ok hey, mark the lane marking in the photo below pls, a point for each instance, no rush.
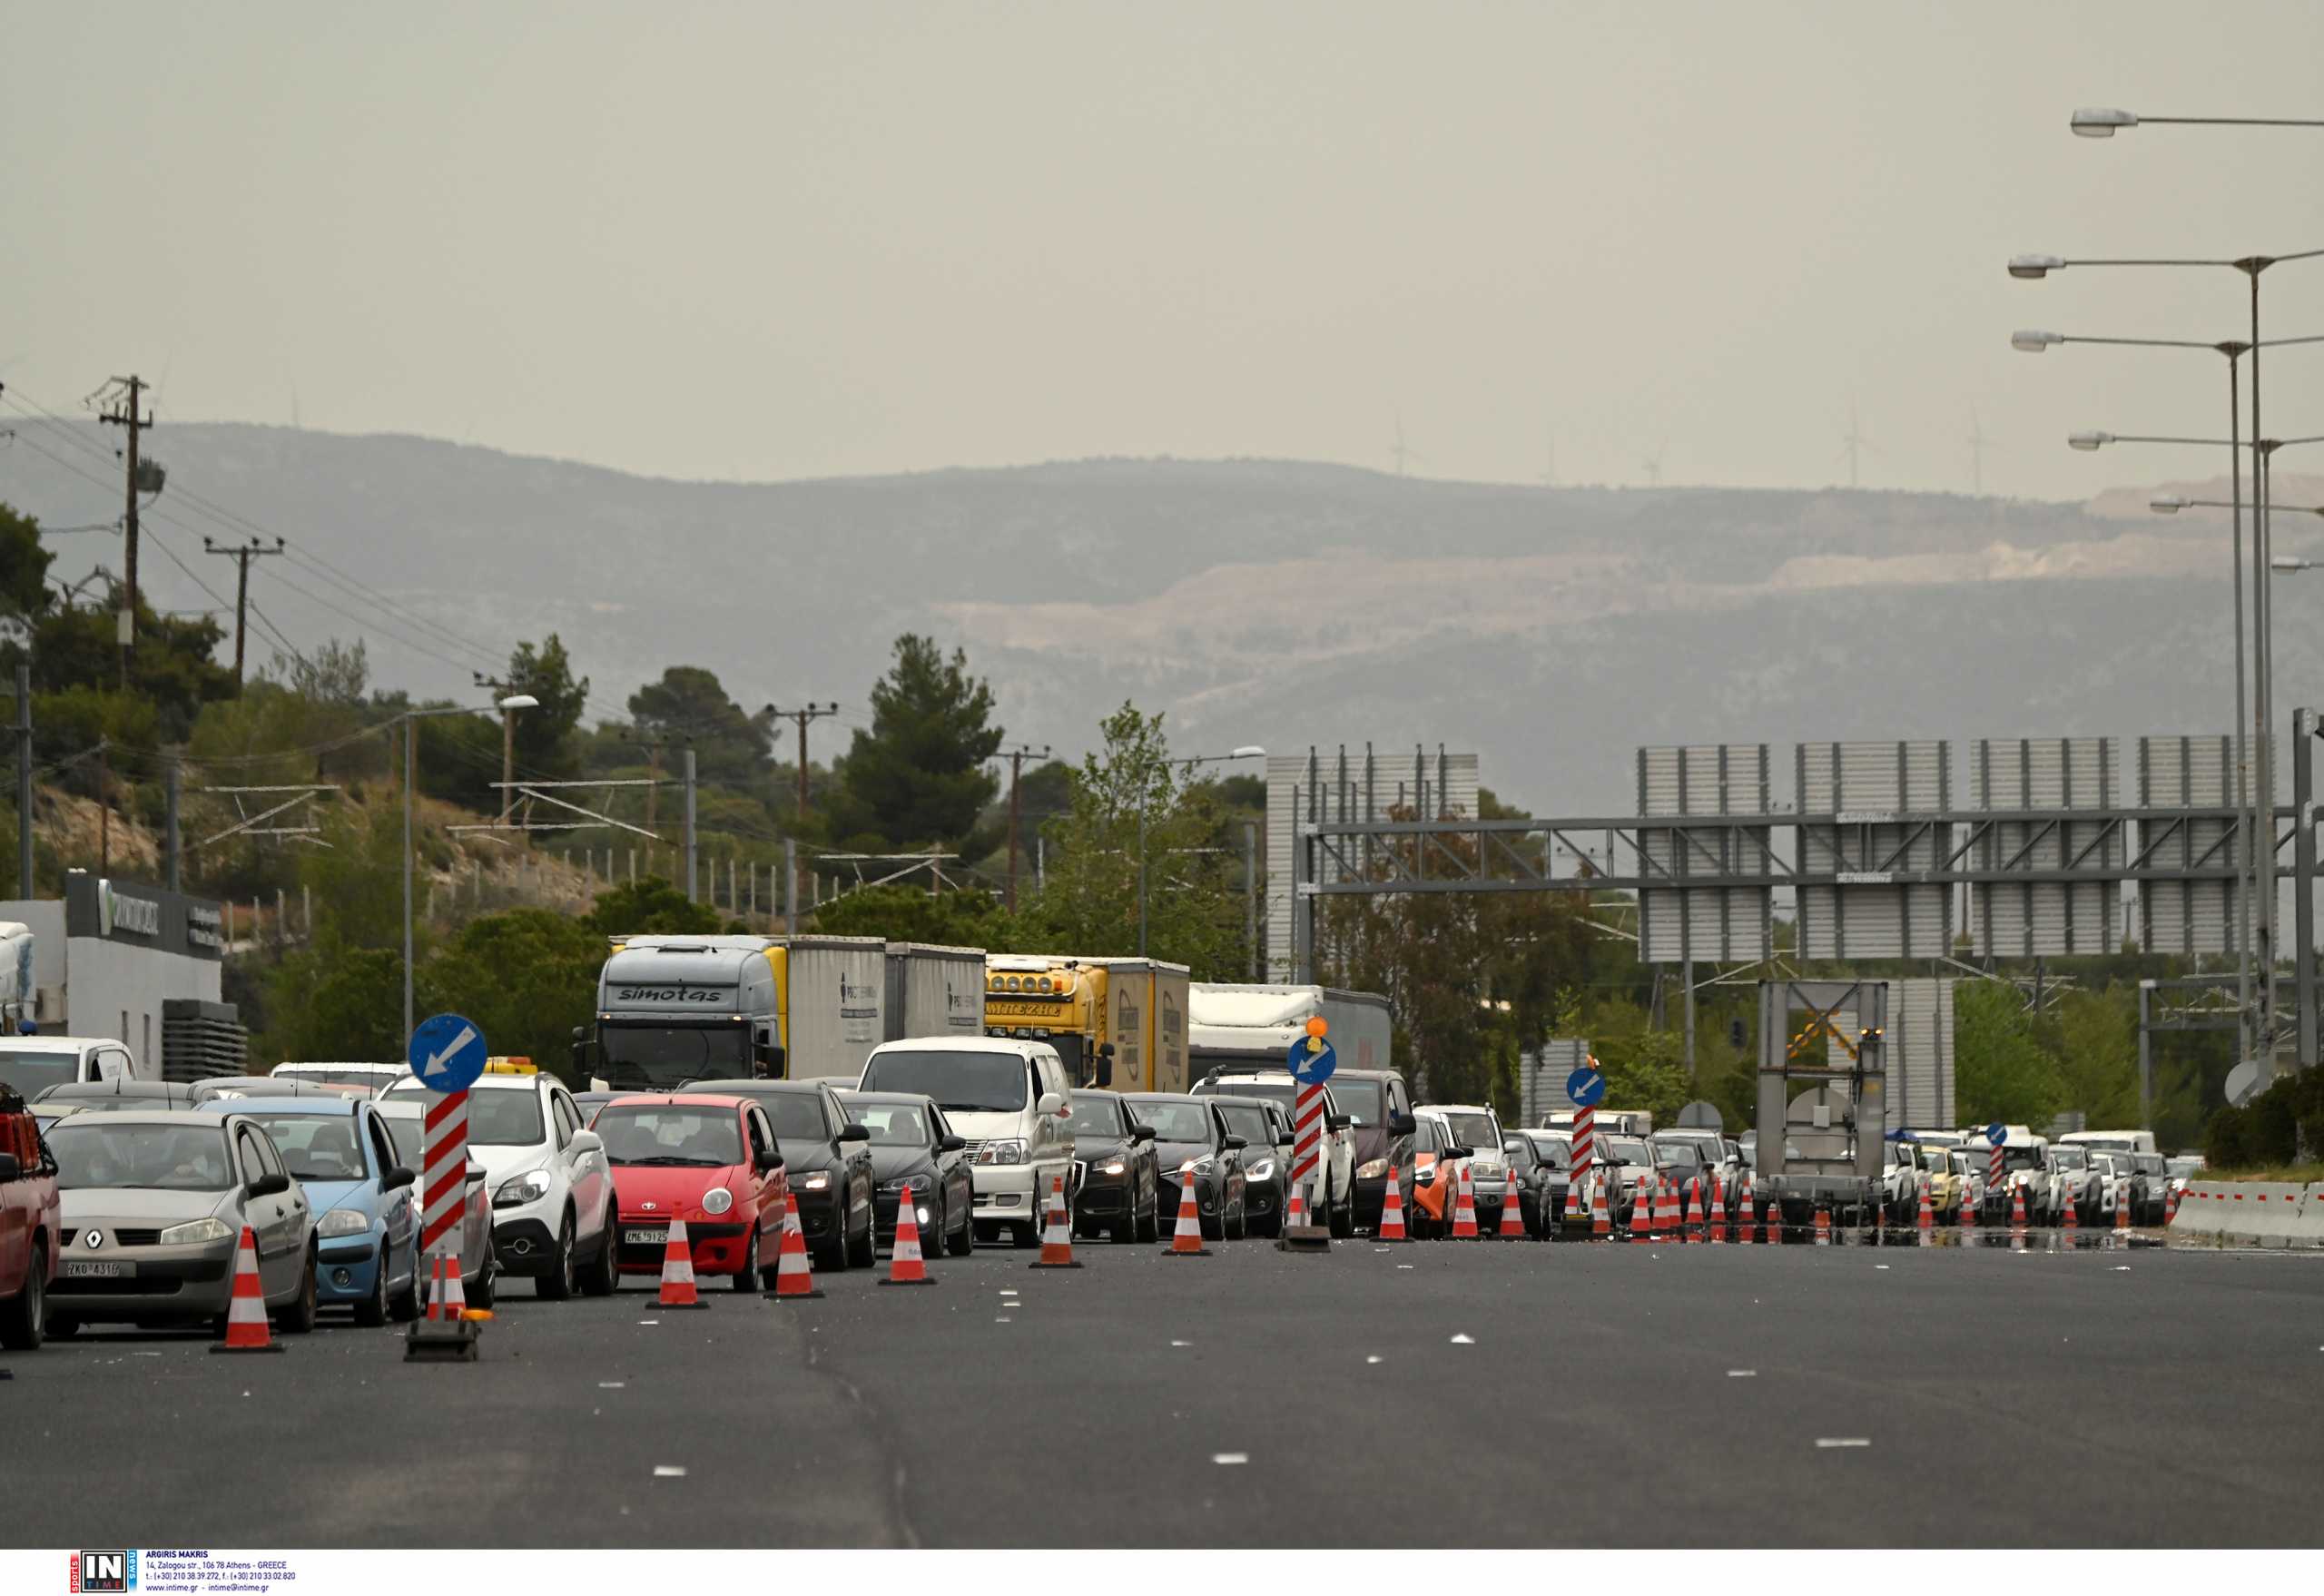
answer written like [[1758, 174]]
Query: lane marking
[[1376, 1359], [1004, 1319], [1182, 1343], [1742, 1374], [649, 1321], [609, 1384], [1827, 1443], [1465, 1340], [1229, 1459], [669, 1470]]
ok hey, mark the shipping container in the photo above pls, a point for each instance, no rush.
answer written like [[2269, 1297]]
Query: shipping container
[[835, 1000], [934, 991], [1145, 1019]]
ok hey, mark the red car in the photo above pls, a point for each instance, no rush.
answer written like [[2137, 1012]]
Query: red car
[[30, 1236], [709, 1160]]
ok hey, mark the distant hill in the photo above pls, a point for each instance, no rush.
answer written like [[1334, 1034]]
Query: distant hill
[[1258, 601]]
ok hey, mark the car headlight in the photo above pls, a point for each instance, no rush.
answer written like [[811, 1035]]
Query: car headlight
[[517, 1190], [717, 1201], [1113, 1166], [1006, 1149], [1262, 1171], [211, 1230], [1207, 1166], [344, 1222], [910, 1183], [819, 1181], [1373, 1170]]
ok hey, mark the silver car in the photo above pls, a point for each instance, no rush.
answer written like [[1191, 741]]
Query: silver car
[[480, 1268], [153, 1205]]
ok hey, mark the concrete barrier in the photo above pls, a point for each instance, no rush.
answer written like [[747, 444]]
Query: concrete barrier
[[2252, 1213], [2202, 1212], [2310, 1230]]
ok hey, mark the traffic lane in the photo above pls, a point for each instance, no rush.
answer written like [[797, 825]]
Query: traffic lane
[[551, 1439], [1606, 1396]]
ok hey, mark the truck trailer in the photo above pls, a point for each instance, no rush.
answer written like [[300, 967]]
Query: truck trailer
[[1117, 1023]]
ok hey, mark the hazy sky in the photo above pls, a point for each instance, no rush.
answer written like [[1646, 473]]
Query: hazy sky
[[762, 240]]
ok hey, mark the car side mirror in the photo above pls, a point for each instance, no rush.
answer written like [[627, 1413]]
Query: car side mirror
[[767, 1162], [1235, 1144], [1457, 1153], [1050, 1104], [952, 1144], [855, 1133], [1401, 1125], [1106, 1064], [1141, 1133], [587, 1141], [1338, 1122], [397, 1178], [11, 1167], [270, 1185]]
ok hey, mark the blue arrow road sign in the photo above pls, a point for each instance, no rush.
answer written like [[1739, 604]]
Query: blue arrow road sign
[[446, 1053], [1585, 1086], [1313, 1069], [1997, 1134]]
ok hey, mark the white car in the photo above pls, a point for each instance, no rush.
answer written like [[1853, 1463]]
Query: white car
[[378, 1077], [1479, 1130], [552, 1189], [1336, 1158], [1012, 1103]]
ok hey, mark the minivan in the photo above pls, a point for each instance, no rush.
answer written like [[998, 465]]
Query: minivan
[[1010, 1101]]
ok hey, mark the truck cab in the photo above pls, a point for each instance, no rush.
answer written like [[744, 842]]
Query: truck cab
[[32, 1064], [672, 1010]]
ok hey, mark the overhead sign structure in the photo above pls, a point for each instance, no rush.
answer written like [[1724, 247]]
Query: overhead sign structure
[[1587, 1087]]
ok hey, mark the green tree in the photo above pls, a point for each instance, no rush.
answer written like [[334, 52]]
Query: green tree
[[171, 669], [526, 978], [688, 705], [1644, 1067], [919, 774], [331, 1001], [649, 907], [2000, 1069], [2098, 1053], [912, 914], [25, 596], [544, 736], [1128, 809]]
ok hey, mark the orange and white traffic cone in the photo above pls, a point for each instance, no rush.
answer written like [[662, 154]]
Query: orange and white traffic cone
[[1692, 1221], [677, 1271], [246, 1328], [1965, 1212], [794, 1279], [2171, 1206], [456, 1296], [1057, 1235], [2073, 1218], [905, 1266], [1928, 1213], [2017, 1207], [1392, 1211], [2122, 1208], [1294, 1213], [434, 1287], [1513, 1209], [1771, 1224], [1823, 1226], [1465, 1209], [1667, 1210], [1601, 1223], [1642, 1215], [1186, 1241], [1718, 1209], [1745, 1212]]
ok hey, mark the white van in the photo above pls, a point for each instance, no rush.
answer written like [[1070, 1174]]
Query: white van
[[2110, 1141], [1011, 1099], [32, 1064]]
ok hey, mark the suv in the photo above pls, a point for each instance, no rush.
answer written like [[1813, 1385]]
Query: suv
[[32, 1064], [1479, 1130], [1380, 1112], [1336, 1160], [552, 1190], [1010, 1100], [28, 1224]]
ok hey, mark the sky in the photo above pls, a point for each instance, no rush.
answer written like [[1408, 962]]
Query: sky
[[1597, 242]]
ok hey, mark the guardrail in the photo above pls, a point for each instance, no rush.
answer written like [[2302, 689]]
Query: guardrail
[[2255, 1213]]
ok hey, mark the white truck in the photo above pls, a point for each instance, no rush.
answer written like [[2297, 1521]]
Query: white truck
[[32, 1064]]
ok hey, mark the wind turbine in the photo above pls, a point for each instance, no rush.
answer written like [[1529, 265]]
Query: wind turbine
[[1978, 444], [1401, 453], [1851, 442], [1652, 464]]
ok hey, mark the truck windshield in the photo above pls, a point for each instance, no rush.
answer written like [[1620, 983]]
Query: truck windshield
[[664, 1056], [106, 1153], [960, 1082], [33, 1073]]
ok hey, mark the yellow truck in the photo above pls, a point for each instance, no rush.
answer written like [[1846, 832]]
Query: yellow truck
[[1117, 1023]]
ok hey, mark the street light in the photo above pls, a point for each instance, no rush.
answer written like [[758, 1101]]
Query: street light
[[1248, 750], [506, 706], [2101, 121]]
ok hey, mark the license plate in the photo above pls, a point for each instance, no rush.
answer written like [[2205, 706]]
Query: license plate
[[94, 1269], [646, 1237]]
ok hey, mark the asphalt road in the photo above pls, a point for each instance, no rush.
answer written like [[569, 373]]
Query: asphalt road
[[1605, 1394]]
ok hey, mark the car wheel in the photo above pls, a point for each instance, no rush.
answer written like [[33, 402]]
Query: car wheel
[[1343, 1218], [372, 1311], [299, 1318], [746, 1279], [1149, 1228], [602, 1275], [960, 1242], [488, 1281], [558, 1284], [404, 1306], [21, 1319], [865, 1256], [831, 1254]]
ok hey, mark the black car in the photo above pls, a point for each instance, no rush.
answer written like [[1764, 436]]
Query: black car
[[1266, 1132], [1379, 1108], [1189, 1130], [1542, 1164], [828, 1161], [1119, 1188], [912, 1148], [112, 1097]]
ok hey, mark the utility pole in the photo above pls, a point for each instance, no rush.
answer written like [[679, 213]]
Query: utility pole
[[1251, 893], [654, 770], [24, 781], [812, 712], [241, 557], [690, 835], [790, 886], [172, 872], [104, 806], [127, 414], [1017, 757]]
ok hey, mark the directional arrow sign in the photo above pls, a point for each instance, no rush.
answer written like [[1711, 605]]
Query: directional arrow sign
[[1586, 1087], [446, 1053], [1313, 1069]]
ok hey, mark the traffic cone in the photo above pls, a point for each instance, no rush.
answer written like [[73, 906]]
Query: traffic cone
[[246, 1328], [2122, 1208], [1057, 1235], [1392, 1211], [434, 1287], [2073, 1218], [1601, 1223], [1823, 1226], [1186, 1241], [1513, 1209], [1718, 1209], [794, 1280], [905, 1266], [1642, 1215], [1693, 1219], [1745, 1212], [1295, 1214], [2017, 1207], [1771, 1224], [677, 1271], [456, 1296], [1465, 1209], [1928, 1213], [1965, 1213], [2171, 1206], [1666, 1212]]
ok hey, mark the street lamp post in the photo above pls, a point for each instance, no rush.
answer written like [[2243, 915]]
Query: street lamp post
[[410, 718], [2105, 122], [1248, 750]]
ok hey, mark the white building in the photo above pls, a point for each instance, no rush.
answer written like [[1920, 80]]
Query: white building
[[109, 954]]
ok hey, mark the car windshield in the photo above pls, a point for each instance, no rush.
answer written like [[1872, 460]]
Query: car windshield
[[2070, 1158], [1174, 1120], [103, 1152], [1679, 1152], [505, 1118], [315, 1147], [1275, 1091], [892, 1125], [672, 1055], [1621, 1149], [1474, 1130], [409, 1133], [2147, 1163], [33, 1073], [670, 1133], [2021, 1158], [1359, 1100], [1251, 1124], [1096, 1117], [1554, 1150], [336, 1074], [961, 1083], [1936, 1160]]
